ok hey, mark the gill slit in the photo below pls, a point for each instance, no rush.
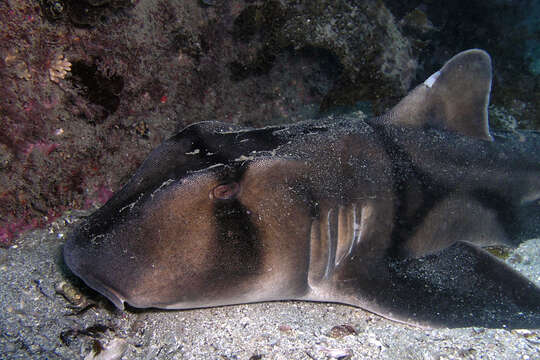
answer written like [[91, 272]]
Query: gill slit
[[354, 238], [332, 244]]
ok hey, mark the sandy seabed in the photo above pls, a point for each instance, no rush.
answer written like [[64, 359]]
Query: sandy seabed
[[38, 322]]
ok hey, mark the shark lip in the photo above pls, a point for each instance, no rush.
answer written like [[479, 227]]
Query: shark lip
[[106, 291]]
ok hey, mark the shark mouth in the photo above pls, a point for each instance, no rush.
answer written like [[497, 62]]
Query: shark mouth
[[106, 291]]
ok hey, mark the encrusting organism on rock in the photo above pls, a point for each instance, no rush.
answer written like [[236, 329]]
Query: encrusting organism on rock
[[59, 68]]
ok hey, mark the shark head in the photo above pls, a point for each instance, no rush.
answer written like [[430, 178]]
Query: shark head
[[191, 229]]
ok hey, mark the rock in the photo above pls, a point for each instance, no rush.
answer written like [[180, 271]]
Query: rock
[[114, 350], [377, 61]]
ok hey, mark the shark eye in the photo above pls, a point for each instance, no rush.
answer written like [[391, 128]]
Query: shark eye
[[226, 191]]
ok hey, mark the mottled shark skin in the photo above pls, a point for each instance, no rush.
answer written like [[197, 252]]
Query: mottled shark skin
[[389, 214]]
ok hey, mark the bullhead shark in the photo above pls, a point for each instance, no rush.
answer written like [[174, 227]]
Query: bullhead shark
[[390, 214]]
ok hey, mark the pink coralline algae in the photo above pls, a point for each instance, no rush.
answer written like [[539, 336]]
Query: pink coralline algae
[[100, 196], [10, 231], [43, 147], [103, 194]]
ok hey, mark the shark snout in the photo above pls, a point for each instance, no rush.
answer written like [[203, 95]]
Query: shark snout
[[80, 261]]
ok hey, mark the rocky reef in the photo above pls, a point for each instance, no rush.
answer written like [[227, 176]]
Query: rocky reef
[[89, 87]]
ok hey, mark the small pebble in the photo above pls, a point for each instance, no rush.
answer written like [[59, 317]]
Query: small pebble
[[340, 331], [113, 351]]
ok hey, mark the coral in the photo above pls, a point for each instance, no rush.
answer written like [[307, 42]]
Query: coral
[[59, 68], [17, 65]]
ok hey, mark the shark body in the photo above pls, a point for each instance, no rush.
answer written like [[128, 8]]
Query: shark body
[[389, 214]]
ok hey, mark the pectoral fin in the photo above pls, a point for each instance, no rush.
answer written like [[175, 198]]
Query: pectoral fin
[[457, 287], [456, 218]]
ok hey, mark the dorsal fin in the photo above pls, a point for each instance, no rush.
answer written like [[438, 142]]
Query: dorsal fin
[[455, 98]]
